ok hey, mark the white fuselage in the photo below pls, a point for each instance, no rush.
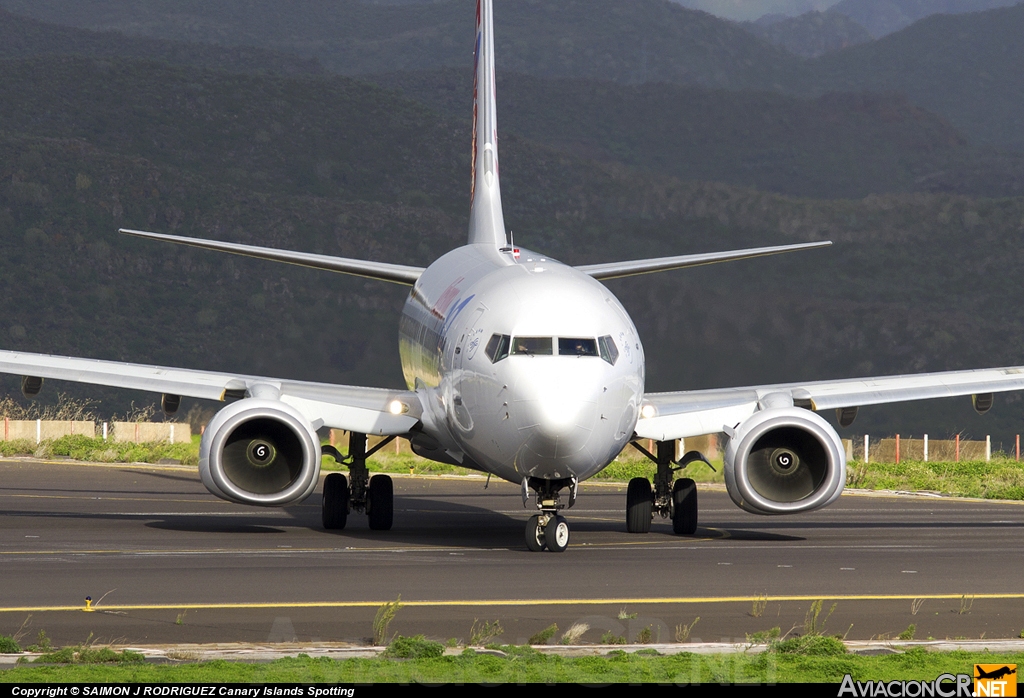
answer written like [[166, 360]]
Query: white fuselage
[[513, 410]]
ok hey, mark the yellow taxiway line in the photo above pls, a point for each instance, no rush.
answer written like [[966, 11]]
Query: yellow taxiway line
[[454, 603]]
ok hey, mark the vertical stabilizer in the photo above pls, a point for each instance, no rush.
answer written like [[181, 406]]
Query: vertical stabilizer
[[486, 223]]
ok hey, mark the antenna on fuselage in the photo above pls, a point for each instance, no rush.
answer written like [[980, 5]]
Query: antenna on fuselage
[[486, 222]]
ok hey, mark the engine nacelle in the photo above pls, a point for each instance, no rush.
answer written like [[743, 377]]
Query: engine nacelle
[[784, 460], [260, 452]]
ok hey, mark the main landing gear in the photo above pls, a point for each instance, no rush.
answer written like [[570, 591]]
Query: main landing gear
[[677, 500], [375, 496], [548, 530]]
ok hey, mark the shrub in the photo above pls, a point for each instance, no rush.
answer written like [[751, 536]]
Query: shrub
[[415, 647]]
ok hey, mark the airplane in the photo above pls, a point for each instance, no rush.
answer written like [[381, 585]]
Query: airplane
[[518, 366]]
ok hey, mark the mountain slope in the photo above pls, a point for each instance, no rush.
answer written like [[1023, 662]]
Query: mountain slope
[[22, 37], [835, 146], [605, 39], [965, 67], [883, 17], [810, 34]]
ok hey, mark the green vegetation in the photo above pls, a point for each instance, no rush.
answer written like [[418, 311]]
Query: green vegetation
[[83, 654], [97, 450], [415, 647], [996, 479], [8, 645], [818, 662], [544, 635], [382, 620]]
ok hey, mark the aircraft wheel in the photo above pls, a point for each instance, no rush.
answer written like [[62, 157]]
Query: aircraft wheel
[[535, 538], [684, 506], [380, 502], [556, 534], [334, 507], [639, 505]]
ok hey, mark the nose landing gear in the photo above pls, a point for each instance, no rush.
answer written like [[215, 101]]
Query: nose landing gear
[[548, 530]]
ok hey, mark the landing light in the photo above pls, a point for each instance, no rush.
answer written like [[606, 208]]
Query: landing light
[[648, 411], [397, 407]]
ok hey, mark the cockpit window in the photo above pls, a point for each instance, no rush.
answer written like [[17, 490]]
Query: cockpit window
[[497, 347], [609, 352], [574, 346], [533, 346]]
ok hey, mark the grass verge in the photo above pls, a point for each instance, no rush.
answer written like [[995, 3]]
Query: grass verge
[[526, 665], [84, 448]]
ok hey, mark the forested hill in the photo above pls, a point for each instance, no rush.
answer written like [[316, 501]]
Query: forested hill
[[636, 41], [965, 67], [340, 167], [839, 145], [23, 37]]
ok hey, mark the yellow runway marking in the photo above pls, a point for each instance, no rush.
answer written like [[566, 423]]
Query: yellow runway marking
[[506, 602]]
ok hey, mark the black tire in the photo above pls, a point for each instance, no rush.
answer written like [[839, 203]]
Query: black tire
[[534, 534], [639, 505], [380, 503], [556, 534], [684, 507], [334, 507]]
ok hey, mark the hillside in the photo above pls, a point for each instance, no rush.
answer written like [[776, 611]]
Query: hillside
[[888, 297], [835, 146], [22, 37], [810, 34], [966, 68], [883, 17], [644, 40]]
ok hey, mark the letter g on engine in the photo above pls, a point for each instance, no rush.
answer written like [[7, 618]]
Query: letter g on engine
[[262, 452]]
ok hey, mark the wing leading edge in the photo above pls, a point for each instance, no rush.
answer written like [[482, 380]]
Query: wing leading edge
[[694, 412], [615, 270], [383, 271], [363, 410]]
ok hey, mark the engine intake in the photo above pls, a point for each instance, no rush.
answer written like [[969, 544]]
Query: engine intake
[[261, 452], [784, 460]]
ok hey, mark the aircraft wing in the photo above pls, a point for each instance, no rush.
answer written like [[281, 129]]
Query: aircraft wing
[[382, 271], [616, 270], [363, 410], [694, 412]]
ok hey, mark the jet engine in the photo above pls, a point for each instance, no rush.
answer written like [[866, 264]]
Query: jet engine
[[784, 460], [261, 452]]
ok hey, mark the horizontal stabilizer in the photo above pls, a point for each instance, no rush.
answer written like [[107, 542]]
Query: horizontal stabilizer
[[395, 273], [614, 270]]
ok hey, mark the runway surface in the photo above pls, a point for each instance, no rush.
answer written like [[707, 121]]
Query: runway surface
[[169, 563]]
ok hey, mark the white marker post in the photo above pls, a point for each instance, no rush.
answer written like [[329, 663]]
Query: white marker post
[[925, 448], [865, 448], [988, 448]]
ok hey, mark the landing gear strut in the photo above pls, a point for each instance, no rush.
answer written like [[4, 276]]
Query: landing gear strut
[[548, 530], [374, 496], [677, 500]]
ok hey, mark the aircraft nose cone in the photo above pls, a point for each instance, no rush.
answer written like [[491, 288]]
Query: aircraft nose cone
[[555, 403]]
